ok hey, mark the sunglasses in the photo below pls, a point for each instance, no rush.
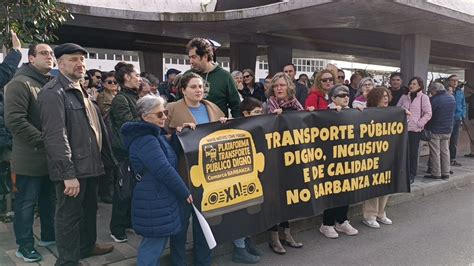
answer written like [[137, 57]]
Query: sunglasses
[[327, 80], [342, 95], [46, 53], [341, 77], [98, 77], [247, 76], [110, 82], [86, 78], [161, 113]]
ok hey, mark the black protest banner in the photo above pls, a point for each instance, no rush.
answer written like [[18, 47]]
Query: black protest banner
[[252, 173]]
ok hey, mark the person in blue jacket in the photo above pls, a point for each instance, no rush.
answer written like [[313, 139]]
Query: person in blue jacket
[[459, 114], [7, 69], [161, 191]]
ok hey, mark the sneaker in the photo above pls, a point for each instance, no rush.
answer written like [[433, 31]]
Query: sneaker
[[455, 163], [445, 177], [371, 223], [346, 228], [28, 254], [119, 238], [46, 243], [241, 255], [328, 231], [384, 220]]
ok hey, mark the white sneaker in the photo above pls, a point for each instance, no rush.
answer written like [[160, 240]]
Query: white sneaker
[[371, 223], [328, 231], [346, 228], [384, 220]]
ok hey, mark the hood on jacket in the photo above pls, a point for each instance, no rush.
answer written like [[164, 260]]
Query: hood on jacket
[[30, 71], [132, 130]]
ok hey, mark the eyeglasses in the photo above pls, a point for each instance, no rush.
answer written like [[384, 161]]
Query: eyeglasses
[[110, 82], [327, 80], [367, 84], [46, 53], [341, 77], [342, 95], [247, 76], [160, 113], [258, 111]]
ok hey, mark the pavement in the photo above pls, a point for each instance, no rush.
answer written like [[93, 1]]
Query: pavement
[[124, 254]]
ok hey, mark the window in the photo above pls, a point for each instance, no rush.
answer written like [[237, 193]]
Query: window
[[101, 56], [93, 56], [119, 57], [134, 58]]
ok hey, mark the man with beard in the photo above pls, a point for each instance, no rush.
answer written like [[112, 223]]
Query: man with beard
[[22, 118], [77, 148], [219, 86]]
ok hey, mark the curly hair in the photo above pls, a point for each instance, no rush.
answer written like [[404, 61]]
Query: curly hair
[[376, 95], [317, 83], [291, 85], [203, 47]]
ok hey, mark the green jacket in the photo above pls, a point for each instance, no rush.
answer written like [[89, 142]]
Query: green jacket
[[223, 91], [123, 109], [22, 118]]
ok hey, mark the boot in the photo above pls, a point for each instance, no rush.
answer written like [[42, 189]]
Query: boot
[[275, 244], [241, 255], [251, 248], [289, 241]]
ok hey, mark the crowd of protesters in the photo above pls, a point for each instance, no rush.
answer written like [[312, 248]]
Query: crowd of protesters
[[72, 131]]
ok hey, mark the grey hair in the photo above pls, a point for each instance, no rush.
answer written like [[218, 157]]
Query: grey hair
[[362, 81], [235, 73], [436, 87], [147, 103]]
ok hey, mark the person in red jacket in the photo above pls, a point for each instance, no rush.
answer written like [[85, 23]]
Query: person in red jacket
[[318, 97]]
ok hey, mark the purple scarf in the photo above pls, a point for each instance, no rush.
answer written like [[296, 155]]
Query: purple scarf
[[274, 103]]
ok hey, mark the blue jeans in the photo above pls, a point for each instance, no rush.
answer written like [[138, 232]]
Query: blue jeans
[[201, 251], [453, 141], [32, 190], [150, 250]]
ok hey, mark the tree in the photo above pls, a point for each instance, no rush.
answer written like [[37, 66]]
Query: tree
[[33, 20]]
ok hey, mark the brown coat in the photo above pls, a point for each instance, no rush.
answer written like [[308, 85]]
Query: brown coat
[[178, 113]]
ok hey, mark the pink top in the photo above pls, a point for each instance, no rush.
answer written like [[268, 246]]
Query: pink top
[[420, 110]]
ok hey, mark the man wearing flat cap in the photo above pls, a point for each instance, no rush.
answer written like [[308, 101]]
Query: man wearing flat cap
[[77, 149]]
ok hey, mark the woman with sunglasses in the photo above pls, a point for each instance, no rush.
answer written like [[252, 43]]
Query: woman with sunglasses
[[318, 96], [191, 110], [110, 85], [252, 88], [335, 219], [161, 193], [122, 110], [282, 98]]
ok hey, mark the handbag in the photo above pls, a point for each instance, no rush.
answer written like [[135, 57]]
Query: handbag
[[125, 180], [425, 134]]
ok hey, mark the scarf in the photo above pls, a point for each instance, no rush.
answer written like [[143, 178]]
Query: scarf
[[274, 103]]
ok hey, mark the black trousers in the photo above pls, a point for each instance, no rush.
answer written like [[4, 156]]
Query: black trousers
[[76, 221], [413, 146], [338, 214], [284, 224], [121, 215]]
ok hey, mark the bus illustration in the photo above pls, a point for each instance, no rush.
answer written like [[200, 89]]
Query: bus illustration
[[227, 170]]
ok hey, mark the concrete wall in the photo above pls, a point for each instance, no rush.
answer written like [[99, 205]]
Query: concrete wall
[[161, 6]]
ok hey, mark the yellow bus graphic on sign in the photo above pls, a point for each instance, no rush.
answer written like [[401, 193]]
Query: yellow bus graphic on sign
[[227, 170]]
